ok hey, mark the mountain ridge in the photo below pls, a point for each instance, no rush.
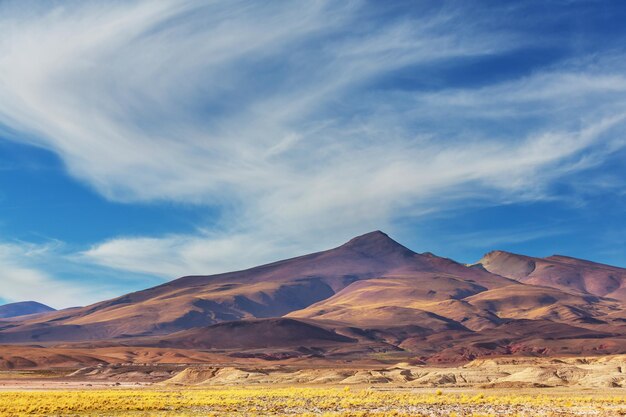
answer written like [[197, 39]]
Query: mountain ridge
[[370, 294], [561, 272]]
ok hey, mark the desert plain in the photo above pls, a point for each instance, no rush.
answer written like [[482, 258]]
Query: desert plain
[[493, 387]]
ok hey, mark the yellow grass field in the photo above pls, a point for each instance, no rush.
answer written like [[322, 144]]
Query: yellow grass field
[[329, 402]]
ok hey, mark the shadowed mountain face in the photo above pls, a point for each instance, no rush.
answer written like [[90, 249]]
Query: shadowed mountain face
[[369, 295], [258, 333], [23, 308]]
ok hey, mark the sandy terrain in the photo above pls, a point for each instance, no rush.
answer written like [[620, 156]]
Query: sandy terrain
[[503, 373]]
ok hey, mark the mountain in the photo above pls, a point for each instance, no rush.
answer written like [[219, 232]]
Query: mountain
[[23, 308], [368, 296], [271, 290], [561, 272]]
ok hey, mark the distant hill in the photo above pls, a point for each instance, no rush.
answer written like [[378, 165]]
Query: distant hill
[[23, 308], [561, 272]]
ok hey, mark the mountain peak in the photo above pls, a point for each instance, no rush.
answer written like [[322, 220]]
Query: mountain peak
[[376, 243], [508, 264], [23, 308], [498, 252], [503, 256], [375, 235]]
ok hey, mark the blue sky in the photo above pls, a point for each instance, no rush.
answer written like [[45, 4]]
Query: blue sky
[[141, 141]]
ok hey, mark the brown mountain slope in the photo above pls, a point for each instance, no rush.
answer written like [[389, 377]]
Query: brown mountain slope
[[434, 300], [27, 357], [516, 337], [544, 303], [256, 333], [561, 272], [271, 290], [429, 299]]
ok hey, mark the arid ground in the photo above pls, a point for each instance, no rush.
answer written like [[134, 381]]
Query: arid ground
[[491, 387], [327, 400]]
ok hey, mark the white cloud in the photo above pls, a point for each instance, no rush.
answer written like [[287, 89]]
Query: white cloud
[[268, 113], [174, 256], [296, 222], [21, 281], [143, 108]]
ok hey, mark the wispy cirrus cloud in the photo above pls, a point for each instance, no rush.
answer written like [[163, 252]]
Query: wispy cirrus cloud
[[290, 120], [25, 277]]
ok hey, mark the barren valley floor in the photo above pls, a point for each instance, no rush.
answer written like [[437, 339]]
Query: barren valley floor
[[328, 401], [485, 388]]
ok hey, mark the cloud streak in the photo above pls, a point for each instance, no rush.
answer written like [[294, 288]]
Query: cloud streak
[[284, 117], [24, 277]]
